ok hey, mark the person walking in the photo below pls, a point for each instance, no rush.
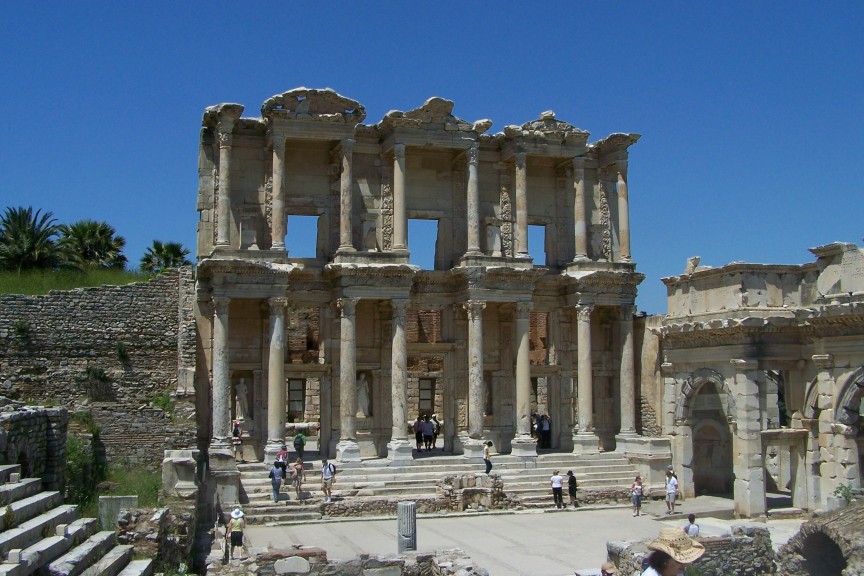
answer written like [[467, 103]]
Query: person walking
[[436, 431], [299, 445], [282, 460], [328, 477], [571, 488], [234, 531], [692, 529], [487, 456], [636, 489], [557, 482], [276, 477], [671, 491], [298, 476], [428, 433]]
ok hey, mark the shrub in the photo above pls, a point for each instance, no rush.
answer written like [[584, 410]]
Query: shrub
[[84, 470], [122, 352], [164, 401], [23, 333]]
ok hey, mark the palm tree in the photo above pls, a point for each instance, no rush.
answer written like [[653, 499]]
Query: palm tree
[[28, 240], [160, 257], [88, 244]]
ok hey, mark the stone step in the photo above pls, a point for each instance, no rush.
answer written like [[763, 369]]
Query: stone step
[[143, 567], [31, 531], [77, 560], [277, 517], [19, 490], [22, 510], [111, 563]]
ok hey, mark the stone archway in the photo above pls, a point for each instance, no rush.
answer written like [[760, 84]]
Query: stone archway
[[712, 445]]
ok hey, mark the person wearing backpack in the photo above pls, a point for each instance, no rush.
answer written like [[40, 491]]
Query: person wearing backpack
[[328, 476], [300, 444]]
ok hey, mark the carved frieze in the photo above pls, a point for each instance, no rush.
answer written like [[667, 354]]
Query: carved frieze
[[507, 248], [387, 206], [605, 224]]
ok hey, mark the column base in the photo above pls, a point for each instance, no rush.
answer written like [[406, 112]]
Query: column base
[[627, 441], [271, 449], [472, 448], [586, 443], [523, 446], [347, 451], [400, 450]]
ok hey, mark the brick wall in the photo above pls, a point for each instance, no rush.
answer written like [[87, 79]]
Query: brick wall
[[35, 438]]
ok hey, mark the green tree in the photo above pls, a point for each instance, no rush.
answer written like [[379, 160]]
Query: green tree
[[88, 244], [28, 240], [159, 257]]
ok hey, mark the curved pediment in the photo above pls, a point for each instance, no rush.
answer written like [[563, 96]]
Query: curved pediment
[[322, 104]]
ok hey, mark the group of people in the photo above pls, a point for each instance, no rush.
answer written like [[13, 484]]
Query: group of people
[[637, 490], [426, 431], [558, 489], [541, 429], [285, 472]]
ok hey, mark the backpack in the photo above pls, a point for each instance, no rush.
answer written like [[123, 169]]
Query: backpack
[[299, 441]]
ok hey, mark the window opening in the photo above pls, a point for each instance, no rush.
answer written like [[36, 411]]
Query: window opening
[[422, 242], [537, 244], [427, 396], [301, 239], [296, 400]]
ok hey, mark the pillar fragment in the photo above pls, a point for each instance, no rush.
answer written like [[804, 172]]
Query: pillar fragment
[[400, 241], [276, 377], [473, 201], [521, 206], [347, 450], [399, 447], [346, 241], [221, 375]]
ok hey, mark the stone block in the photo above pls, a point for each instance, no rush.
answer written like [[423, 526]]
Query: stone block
[[383, 571], [292, 565], [110, 507], [14, 477], [14, 556], [61, 530]]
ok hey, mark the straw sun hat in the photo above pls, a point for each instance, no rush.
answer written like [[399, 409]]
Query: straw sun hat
[[675, 543]]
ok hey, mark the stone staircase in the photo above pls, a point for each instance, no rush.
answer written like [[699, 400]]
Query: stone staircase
[[41, 535], [524, 479]]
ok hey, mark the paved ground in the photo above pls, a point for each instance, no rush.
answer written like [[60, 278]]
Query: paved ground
[[535, 543]]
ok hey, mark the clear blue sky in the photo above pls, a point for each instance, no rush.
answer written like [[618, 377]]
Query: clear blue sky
[[751, 112]]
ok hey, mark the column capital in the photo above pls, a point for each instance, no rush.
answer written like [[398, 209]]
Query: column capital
[[474, 308], [744, 364], [399, 150], [626, 312], [346, 145], [584, 311], [226, 139], [277, 303], [347, 305], [474, 153], [220, 303], [621, 168], [578, 164], [400, 306], [523, 309], [520, 158], [823, 361]]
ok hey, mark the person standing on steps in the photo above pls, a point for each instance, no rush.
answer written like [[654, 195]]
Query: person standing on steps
[[235, 529], [557, 482], [418, 433], [571, 488], [436, 431], [299, 444], [636, 490], [276, 477], [298, 476], [428, 433], [282, 460], [328, 477], [487, 456]]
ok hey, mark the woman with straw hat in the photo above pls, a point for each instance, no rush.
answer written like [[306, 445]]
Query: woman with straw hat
[[235, 530], [673, 550]]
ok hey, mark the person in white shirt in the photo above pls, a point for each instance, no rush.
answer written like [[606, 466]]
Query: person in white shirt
[[671, 491], [557, 480], [692, 529]]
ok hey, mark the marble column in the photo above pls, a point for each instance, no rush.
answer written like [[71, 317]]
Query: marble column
[[623, 211], [521, 206], [276, 378], [223, 201], [346, 239], [585, 440], [476, 384], [523, 444], [473, 203], [580, 216], [627, 377], [278, 224], [399, 447], [347, 450], [400, 240], [221, 376]]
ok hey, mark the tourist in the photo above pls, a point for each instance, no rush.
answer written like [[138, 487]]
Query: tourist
[[535, 425], [328, 477], [487, 456], [298, 476], [235, 529], [300, 444], [636, 490], [282, 460], [276, 477], [418, 433], [671, 491], [608, 569], [237, 440], [557, 482], [571, 488], [672, 552], [436, 431], [546, 432], [428, 433], [692, 529]]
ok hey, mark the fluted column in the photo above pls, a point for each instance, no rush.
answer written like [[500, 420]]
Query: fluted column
[[346, 239], [627, 379], [221, 375], [623, 211], [585, 385], [276, 376], [523, 371], [347, 448], [473, 203], [278, 224], [475, 368], [521, 206], [580, 216], [223, 201], [399, 447], [399, 222]]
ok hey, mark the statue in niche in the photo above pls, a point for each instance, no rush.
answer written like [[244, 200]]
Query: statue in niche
[[370, 239], [241, 392], [364, 405]]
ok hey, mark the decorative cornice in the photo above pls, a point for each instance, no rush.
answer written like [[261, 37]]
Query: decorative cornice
[[323, 105]]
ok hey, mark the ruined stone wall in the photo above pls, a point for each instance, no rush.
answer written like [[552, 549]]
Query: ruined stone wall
[[35, 438], [113, 347]]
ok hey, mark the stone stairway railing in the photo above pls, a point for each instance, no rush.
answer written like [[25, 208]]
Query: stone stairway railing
[[41, 535], [525, 480]]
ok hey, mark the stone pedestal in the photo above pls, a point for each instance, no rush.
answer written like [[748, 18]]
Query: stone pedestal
[[586, 443], [347, 451], [400, 450], [178, 474], [225, 476], [523, 446], [472, 448]]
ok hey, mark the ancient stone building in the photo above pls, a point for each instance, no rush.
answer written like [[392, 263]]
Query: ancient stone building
[[362, 341], [763, 378]]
